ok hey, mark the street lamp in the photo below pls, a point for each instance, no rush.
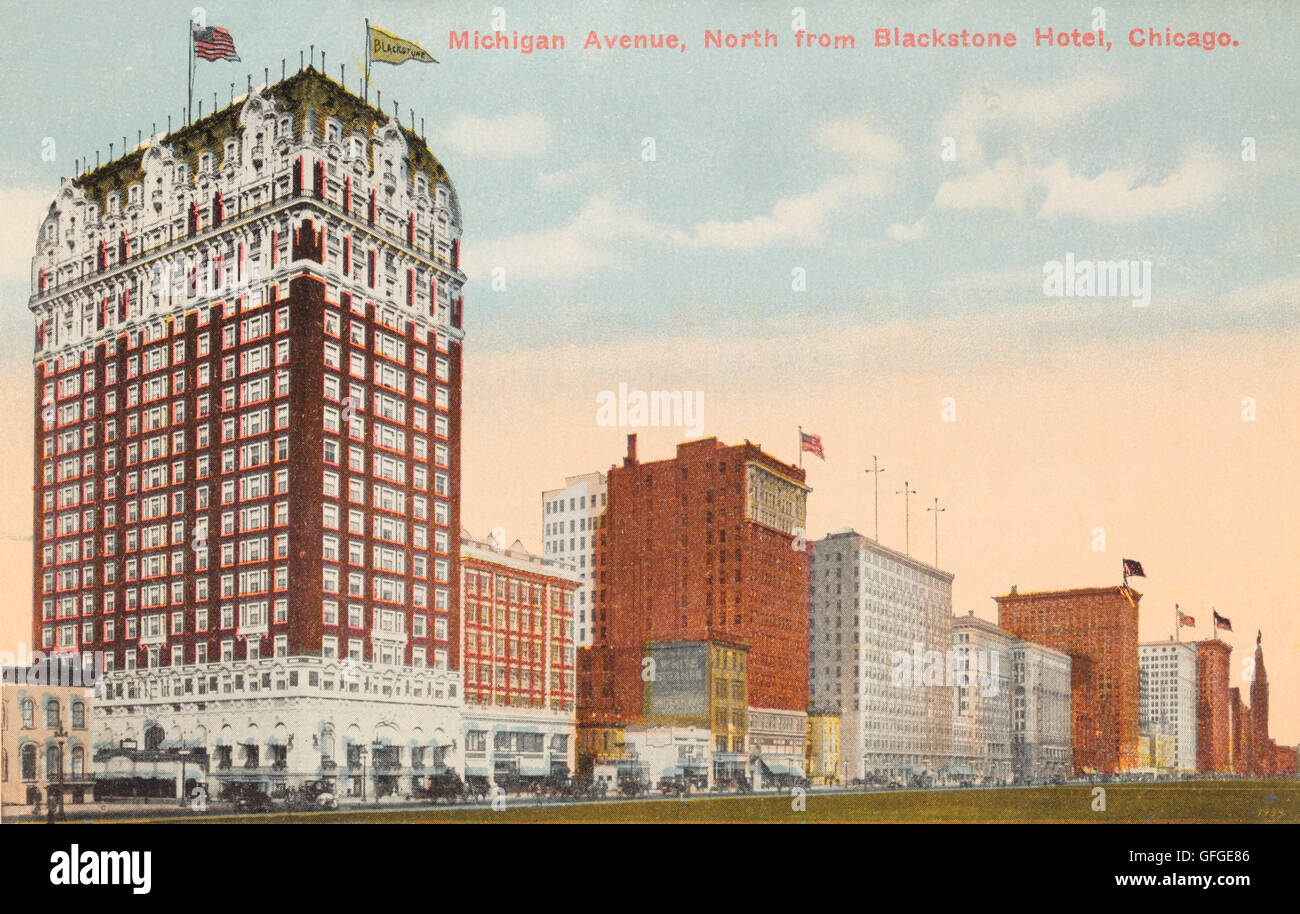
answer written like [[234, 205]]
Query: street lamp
[[185, 755], [60, 735], [361, 752]]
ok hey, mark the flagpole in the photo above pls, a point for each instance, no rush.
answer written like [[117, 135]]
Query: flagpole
[[189, 72], [367, 92], [800, 446], [1178, 623]]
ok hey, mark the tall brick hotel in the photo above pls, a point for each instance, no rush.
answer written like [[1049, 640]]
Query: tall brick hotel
[[701, 548], [248, 365], [1098, 628]]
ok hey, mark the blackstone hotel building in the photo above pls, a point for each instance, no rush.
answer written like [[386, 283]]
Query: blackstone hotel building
[[248, 375]]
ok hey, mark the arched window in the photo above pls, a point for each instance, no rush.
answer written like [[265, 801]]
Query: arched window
[[78, 715], [28, 762], [327, 743], [153, 736], [52, 714], [28, 710], [52, 763], [78, 762]]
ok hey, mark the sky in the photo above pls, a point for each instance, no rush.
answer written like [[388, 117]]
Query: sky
[[851, 241]]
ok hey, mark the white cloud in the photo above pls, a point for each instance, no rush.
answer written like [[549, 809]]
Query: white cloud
[[1005, 186], [577, 174], [873, 158], [21, 211], [1120, 196], [592, 239], [1025, 180], [525, 134], [902, 232], [1026, 110]]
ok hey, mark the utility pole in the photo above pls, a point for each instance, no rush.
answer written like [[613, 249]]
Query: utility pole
[[907, 491], [937, 511], [875, 472]]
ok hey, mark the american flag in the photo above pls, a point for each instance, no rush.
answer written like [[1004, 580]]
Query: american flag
[[1184, 619], [812, 444], [1222, 621], [213, 43], [1133, 568]]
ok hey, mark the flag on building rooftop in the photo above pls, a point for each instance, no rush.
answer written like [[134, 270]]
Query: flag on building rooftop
[[213, 43], [812, 444], [1184, 619], [385, 47], [1133, 568], [1222, 621]]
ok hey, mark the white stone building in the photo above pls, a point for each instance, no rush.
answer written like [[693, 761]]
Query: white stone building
[[1042, 716], [368, 730], [869, 604], [1167, 705], [569, 518], [981, 701]]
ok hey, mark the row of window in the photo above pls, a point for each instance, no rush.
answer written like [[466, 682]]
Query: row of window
[[53, 763], [53, 714]]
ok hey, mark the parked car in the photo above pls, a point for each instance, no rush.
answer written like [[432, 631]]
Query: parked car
[[632, 787], [445, 785], [247, 798], [311, 795], [674, 786], [477, 788]]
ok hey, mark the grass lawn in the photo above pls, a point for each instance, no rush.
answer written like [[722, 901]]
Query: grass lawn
[[1261, 801]]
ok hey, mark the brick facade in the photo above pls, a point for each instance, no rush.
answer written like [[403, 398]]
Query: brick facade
[[1098, 628], [697, 548], [1213, 706]]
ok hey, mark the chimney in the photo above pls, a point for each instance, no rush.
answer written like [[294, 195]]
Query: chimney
[[630, 459]]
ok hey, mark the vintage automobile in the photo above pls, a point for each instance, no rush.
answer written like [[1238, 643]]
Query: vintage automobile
[[311, 795], [632, 787], [247, 797], [674, 786], [445, 785]]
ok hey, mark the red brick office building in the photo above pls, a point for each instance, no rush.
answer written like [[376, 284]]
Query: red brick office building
[[1213, 706], [1098, 628], [699, 547]]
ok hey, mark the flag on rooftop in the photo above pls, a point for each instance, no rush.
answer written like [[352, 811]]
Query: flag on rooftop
[[812, 444], [385, 47], [213, 43]]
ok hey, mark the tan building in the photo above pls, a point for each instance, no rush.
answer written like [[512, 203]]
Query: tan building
[[44, 739], [822, 754], [1156, 752]]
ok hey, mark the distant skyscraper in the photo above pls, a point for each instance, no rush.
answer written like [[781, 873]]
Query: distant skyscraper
[[867, 605], [1097, 627], [1213, 707], [702, 547], [1042, 713], [1168, 704], [569, 518]]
